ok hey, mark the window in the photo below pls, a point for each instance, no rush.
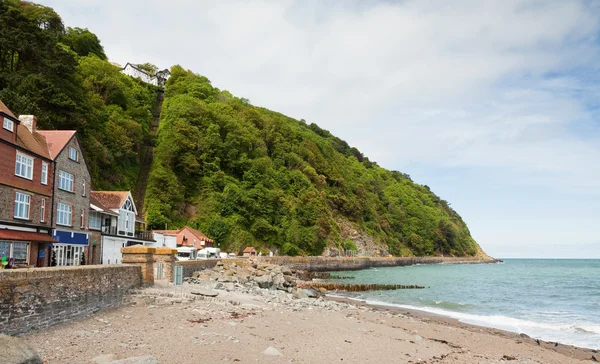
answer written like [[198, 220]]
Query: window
[[73, 154], [65, 181], [44, 173], [8, 124], [43, 210], [82, 218], [24, 166], [95, 220], [63, 215], [83, 185], [22, 202], [16, 250]]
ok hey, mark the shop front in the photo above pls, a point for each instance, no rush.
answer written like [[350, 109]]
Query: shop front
[[23, 248], [69, 247]]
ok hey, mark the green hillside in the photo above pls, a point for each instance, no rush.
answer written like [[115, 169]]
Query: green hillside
[[243, 174], [250, 176]]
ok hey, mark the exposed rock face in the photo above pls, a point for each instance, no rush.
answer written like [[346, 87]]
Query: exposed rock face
[[15, 351]]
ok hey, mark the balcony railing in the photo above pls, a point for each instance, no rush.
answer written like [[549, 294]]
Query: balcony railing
[[115, 231]]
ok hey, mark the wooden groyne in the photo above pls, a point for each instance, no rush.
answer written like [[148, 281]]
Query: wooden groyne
[[335, 286]]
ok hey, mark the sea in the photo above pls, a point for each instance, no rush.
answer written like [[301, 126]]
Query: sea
[[554, 300]]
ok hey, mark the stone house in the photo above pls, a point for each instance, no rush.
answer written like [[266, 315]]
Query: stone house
[[26, 176], [71, 196], [249, 252], [114, 218], [186, 236]]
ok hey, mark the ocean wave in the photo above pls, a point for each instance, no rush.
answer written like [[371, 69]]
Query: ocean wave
[[585, 334]]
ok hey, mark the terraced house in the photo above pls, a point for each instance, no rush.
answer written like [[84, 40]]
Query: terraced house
[[71, 196], [26, 177]]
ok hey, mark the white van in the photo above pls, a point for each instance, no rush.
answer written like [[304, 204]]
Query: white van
[[202, 254], [186, 253], [213, 253]]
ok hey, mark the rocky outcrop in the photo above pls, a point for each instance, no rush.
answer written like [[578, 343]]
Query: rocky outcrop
[[253, 273]]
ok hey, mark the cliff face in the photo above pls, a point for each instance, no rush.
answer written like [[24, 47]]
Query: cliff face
[[250, 176]]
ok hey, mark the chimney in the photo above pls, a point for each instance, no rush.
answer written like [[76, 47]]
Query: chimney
[[29, 121]]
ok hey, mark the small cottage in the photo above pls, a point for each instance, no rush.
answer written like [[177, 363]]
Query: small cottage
[[249, 252]]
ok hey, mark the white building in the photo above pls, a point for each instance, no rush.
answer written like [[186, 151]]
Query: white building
[[113, 214], [159, 80]]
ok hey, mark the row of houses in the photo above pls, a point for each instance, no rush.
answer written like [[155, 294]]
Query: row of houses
[[49, 214]]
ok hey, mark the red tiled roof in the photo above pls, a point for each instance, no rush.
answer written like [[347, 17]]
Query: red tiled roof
[[16, 235], [198, 234], [56, 140], [249, 249], [6, 110], [109, 199], [34, 143]]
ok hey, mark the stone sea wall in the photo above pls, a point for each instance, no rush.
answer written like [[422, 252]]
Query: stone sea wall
[[32, 299], [323, 264]]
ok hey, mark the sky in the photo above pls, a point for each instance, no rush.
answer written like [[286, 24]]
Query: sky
[[493, 104]]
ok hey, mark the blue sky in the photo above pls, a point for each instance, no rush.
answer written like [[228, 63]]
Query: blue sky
[[493, 104]]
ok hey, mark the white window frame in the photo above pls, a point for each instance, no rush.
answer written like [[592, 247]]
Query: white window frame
[[64, 214], [8, 124], [24, 166], [82, 225], [94, 220], [43, 210], [11, 250], [25, 200], [73, 154], [44, 173], [65, 181], [83, 185]]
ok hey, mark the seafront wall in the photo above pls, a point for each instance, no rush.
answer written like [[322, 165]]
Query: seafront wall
[[31, 299], [323, 264]]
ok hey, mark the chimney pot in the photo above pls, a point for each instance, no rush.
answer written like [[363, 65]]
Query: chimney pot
[[29, 121]]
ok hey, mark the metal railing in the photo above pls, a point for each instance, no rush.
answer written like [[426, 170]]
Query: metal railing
[[138, 234]]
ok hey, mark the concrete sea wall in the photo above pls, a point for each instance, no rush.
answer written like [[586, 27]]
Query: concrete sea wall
[[32, 299], [323, 264]]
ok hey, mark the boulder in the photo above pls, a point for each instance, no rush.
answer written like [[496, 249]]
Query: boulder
[[16, 351], [310, 293], [264, 281], [299, 293]]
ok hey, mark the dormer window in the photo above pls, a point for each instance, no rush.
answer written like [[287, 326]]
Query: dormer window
[[73, 154], [8, 124]]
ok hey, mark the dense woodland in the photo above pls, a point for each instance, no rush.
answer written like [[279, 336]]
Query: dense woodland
[[243, 174]]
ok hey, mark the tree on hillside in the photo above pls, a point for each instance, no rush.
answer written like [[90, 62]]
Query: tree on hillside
[[83, 42]]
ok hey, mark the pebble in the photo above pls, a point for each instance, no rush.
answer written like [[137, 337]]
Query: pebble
[[272, 351]]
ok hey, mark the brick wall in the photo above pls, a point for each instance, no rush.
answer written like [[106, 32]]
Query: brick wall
[[8, 162], [32, 299]]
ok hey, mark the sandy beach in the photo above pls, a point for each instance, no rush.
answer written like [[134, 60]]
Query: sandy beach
[[173, 325]]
